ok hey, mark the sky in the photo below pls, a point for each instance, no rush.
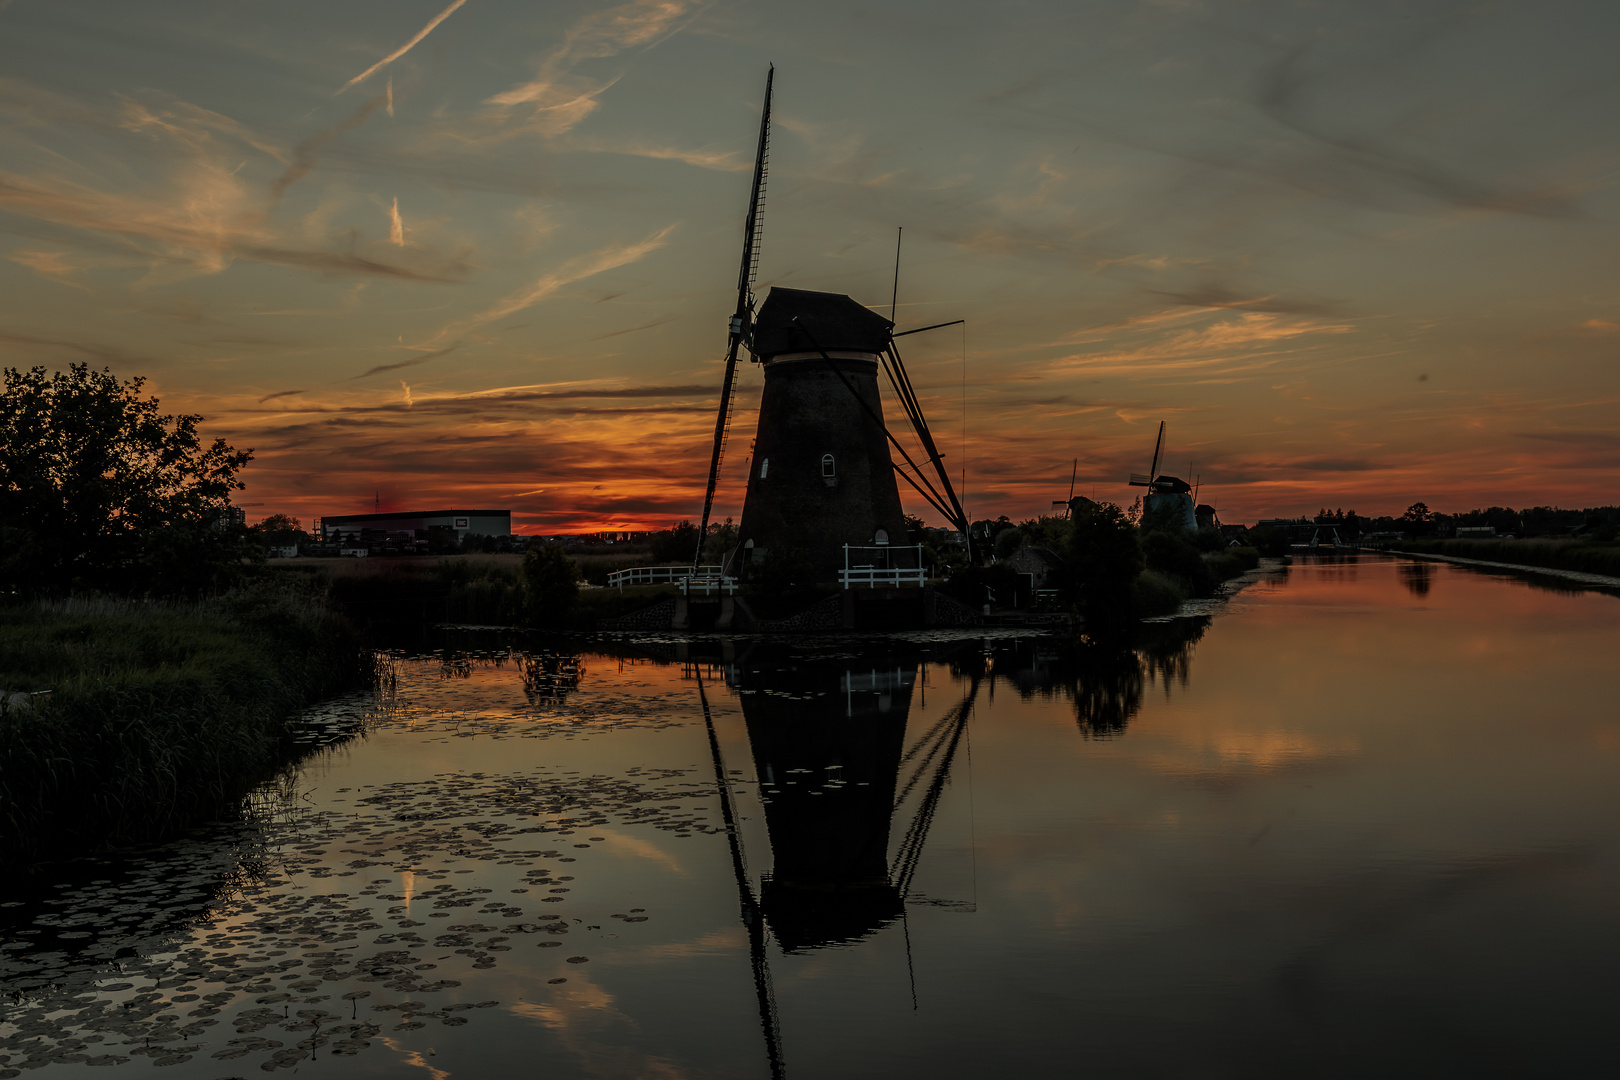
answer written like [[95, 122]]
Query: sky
[[480, 253]]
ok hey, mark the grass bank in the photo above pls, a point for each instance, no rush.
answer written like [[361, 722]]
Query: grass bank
[[1589, 557], [159, 715], [1158, 592]]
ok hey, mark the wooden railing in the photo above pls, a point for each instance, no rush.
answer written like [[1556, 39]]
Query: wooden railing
[[656, 575], [872, 575]]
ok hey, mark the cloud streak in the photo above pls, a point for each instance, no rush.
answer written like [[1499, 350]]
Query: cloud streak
[[557, 99], [571, 271], [381, 369], [432, 25]]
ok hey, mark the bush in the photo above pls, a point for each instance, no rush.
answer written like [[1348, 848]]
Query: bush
[[1154, 594], [674, 546], [550, 584], [1104, 558], [1172, 554], [1232, 562], [1269, 541], [974, 586]]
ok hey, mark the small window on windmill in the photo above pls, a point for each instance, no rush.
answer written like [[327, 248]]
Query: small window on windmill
[[829, 470], [764, 467], [881, 538]]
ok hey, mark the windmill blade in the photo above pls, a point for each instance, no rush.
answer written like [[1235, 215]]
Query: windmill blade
[[1158, 448], [1074, 472], [742, 319]]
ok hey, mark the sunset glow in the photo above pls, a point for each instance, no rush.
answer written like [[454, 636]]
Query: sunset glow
[[480, 253]]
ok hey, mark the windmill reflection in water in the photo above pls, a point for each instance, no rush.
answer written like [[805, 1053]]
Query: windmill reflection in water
[[835, 770]]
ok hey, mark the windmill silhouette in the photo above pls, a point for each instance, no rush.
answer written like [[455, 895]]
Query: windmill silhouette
[[821, 480], [1169, 499]]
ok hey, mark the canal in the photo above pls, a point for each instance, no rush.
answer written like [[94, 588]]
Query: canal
[[1359, 817]]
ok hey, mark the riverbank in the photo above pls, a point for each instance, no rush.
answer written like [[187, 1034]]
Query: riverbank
[[1577, 556], [127, 721]]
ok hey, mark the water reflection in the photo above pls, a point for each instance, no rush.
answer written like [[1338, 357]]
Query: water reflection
[[827, 744], [849, 793], [550, 676], [1106, 681], [1418, 577]]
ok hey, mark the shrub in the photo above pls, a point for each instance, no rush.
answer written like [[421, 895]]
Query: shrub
[[1104, 559], [550, 584], [1154, 593], [1172, 554]]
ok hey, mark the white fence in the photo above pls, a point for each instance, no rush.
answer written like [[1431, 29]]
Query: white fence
[[708, 585], [657, 575], [872, 574]]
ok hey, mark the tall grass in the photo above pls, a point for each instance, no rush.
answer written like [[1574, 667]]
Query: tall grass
[[159, 714], [1584, 556]]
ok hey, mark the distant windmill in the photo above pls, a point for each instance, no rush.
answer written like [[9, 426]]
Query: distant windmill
[[1168, 497], [1068, 504]]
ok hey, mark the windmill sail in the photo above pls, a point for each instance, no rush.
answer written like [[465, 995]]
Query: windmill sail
[[753, 228], [1152, 476]]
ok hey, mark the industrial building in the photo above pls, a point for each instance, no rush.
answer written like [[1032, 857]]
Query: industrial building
[[459, 523]]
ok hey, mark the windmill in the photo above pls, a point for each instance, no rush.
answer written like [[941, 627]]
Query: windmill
[[1169, 498], [821, 479], [1068, 504]]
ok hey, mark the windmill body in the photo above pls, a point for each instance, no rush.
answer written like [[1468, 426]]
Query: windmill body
[[1170, 508], [1169, 500], [820, 476]]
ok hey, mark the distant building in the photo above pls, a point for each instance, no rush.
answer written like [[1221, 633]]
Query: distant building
[[1475, 532], [458, 523]]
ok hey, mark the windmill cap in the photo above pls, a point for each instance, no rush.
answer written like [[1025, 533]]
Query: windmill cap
[[834, 322]]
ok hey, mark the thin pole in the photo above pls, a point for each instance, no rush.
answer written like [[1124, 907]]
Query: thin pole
[[894, 298]]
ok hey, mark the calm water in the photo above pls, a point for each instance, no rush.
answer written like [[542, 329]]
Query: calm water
[[1360, 820]]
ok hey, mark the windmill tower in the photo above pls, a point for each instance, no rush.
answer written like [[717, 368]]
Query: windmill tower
[[821, 477], [1169, 499]]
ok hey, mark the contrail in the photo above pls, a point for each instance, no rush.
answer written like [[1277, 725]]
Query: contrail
[[396, 227], [405, 48]]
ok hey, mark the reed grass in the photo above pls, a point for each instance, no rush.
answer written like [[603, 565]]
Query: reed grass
[[159, 714], [1587, 557]]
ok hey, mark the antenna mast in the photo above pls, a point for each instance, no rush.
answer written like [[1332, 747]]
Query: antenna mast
[[894, 297], [742, 319]]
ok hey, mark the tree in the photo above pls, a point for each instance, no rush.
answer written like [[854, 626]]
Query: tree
[[1417, 514], [719, 543], [550, 583], [675, 545], [100, 490], [1104, 561], [281, 530]]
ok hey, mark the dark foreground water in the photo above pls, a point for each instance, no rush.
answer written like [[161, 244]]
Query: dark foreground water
[[1362, 820]]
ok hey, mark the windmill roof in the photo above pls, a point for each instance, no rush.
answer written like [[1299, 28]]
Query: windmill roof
[[834, 322]]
